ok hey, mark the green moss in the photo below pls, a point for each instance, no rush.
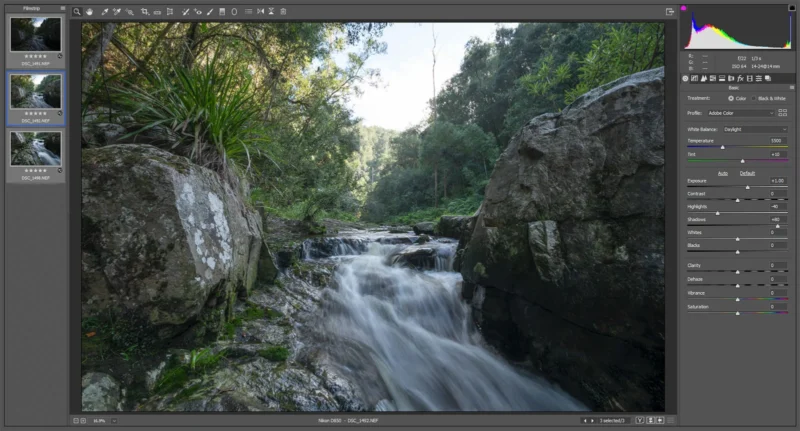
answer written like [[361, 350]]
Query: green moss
[[229, 329], [273, 314], [177, 374], [285, 401], [479, 269], [274, 353], [204, 359], [253, 312]]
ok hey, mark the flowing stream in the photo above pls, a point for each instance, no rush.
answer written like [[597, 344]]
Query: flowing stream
[[397, 326], [46, 156], [38, 101]]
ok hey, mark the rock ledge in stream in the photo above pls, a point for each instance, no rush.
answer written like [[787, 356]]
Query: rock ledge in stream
[[426, 227], [164, 242], [565, 266]]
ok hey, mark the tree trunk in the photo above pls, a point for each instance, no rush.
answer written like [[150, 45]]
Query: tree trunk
[[436, 185], [433, 73], [94, 55], [191, 41], [444, 186]]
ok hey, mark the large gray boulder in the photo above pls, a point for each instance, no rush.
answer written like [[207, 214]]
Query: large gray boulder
[[18, 94], [565, 265], [426, 227], [52, 141], [165, 243], [51, 93], [100, 393], [453, 226], [101, 134]]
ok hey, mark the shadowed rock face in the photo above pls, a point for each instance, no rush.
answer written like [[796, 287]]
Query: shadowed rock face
[[565, 264], [164, 242], [50, 33], [51, 93]]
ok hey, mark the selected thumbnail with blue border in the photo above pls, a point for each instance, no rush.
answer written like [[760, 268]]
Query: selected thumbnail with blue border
[[62, 120]]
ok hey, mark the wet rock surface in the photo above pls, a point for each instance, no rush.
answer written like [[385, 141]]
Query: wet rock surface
[[426, 227], [564, 267], [454, 226]]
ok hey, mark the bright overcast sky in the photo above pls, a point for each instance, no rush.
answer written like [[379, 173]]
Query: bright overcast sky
[[401, 99], [37, 79]]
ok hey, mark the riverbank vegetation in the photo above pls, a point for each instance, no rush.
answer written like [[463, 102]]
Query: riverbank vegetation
[[267, 106]]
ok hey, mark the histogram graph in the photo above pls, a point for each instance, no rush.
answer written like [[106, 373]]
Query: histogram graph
[[765, 28]]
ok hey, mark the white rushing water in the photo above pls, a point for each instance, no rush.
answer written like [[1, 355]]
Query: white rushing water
[[407, 339], [46, 156]]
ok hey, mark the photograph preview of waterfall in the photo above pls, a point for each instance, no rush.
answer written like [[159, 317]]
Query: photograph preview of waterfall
[[35, 148], [263, 229]]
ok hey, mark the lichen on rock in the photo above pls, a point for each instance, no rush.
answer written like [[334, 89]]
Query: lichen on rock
[[162, 237]]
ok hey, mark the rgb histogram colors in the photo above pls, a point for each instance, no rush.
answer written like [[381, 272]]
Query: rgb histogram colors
[[710, 37]]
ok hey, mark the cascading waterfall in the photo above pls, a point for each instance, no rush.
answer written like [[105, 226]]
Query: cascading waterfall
[[46, 156], [406, 338]]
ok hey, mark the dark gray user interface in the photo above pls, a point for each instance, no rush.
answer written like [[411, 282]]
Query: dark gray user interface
[[456, 214]]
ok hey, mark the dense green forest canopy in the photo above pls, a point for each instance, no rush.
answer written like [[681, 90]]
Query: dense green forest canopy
[[267, 106], [23, 81]]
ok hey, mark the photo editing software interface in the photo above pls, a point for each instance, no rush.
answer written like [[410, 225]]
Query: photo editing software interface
[[364, 214]]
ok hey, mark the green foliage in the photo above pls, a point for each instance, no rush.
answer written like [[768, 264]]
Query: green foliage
[[622, 50], [443, 166], [440, 164], [208, 112], [460, 206], [265, 102], [172, 379], [204, 359], [618, 50], [23, 81], [268, 102], [49, 81], [176, 376], [544, 82], [229, 329], [274, 353], [316, 229], [23, 24]]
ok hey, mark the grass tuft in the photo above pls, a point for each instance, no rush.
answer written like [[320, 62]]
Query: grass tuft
[[274, 353]]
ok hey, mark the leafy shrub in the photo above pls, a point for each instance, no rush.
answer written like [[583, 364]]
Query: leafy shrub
[[208, 113]]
